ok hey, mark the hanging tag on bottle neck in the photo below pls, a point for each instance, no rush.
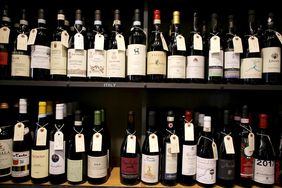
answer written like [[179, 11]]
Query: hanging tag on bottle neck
[[237, 44], [65, 38], [131, 144], [180, 43], [197, 42], [215, 44], [59, 140], [164, 42], [251, 141], [99, 42], [214, 150], [41, 136], [79, 143], [174, 141], [4, 35], [253, 44], [97, 142], [120, 42], [188, 131], [22, 42], [19, 132], [32, 37], [153, 143], [279, 36], [78, 41], [228, 143]]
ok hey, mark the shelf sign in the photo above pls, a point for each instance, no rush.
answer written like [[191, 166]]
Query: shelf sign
[[110, 84]]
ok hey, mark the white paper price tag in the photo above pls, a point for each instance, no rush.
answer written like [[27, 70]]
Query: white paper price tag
[[4, 35], [131, 144], [78, 41], [197, 42], [180, 43], [19, 132], [279, 36], [188, 132], [22, 42], [253, 44], [164, 42], [153, 143], [79, 143], [215, 44], [32, 37], [41, 137], [214, 150], [237, 44], [228, 143], [97, 142], [59, 140], [251, 141], [174, 141], [65, 39], [99, 42], [120, 42]]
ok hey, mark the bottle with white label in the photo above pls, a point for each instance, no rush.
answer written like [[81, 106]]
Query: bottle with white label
[[264, 155], [21, 145], [206, 156]]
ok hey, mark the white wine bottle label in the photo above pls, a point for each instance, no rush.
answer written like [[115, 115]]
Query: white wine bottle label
[[74, 170], [214, 150], [215, 44], [21, 163], [97, 142], [189, 132], [131, 144], [136, 59], [226, 169], [264, 171], [4, 35], [40, 57], [97, 167], [65, 38], [22, 42], [279, 36], [99, 42], [153, 143], [176, 66], [195, 67], [164, 42], [59, 140], [237, 44], [58, 61], [156, 62], [170, 162], [251, 68], [197, 42], [76, 65], [216, 64], [115, 63], [251, 141], [78, 41], [150, 168], [39, 163], [32, 37], [96, 63], [189, 157], [271, 60], [231, 60], [19, 132], [79, 143], [20, 65], [41, 137], [57, 164], [206, 170], [174, 141], [253, 44], [228, 144], [180, 43], [120, 42], [6, 146]]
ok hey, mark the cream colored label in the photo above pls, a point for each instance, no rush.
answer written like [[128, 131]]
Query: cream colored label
[[231, 60], [153, 143], [32, 36], [120, 42], [171, 160], [78, 41], [195, 67], [20, 65], [215, 44], [97, 166], [116, 63], [206, 170], [197, 42], [22, 42], [74, 170], [180, 43], [150, 168], [189, 158], [96, 63], [237, 43], [6, 155], [136, 59], [271, 59], [58, 58], [251, 68], [40, 57], [39, 163], [76, 65], [176, 66], [99, 42], [228, 143], [253, 44], [156, 62]]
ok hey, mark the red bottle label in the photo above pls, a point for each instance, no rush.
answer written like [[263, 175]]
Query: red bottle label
[[130, 166], [3, 58]]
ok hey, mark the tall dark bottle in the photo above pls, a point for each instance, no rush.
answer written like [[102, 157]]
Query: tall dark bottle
[[271, 53], [108, 143], [150, 152], [264, 155], [130, 154], [136, 50], [39, 40], [156, 55], [22, 142]]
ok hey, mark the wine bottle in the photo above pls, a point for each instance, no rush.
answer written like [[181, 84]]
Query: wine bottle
[[176, 59], [278, 164], [77, 54], [39, 40], [22, 142], [156, 56], [188, 150], [195, 69], [206, 156], [97, 168], [251, 63], [59, 45], [40, 148], [170, 152], [264, 155], [271, 53], [116, 51], [20, 63], [130, 154], [150, 153], [109, 145]]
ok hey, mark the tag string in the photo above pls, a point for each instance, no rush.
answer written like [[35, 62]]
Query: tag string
[[59, 129], [133, 27], [204, 138], [254, 35], [41, 126], [214, 34], [172, 133], [129, 133], [24, 121], [77, 131], [188, 121], [226, 134], [268, 139], [98, 131], [77, 29], [249, 130], [149, 132]]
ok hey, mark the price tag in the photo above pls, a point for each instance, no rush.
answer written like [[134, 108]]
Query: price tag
[[22, 42], [197, 42], [253, 44], [164, 42], [215, 44], [59, 140], [180, 43], [189, 132], [228, 143], [153, 143], [237, 44], [120, 42], [79, 143], [4, 35], [99, 42], [251, 141], [279, 36], [78, 41], [32, 36], [97, 142], [131, 144], [174, 141], [214, 150], [65, 39], [19, 132], [41, 137]]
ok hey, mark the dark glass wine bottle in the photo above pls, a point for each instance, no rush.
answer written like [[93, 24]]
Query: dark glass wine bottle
[[22, 142], [136, 50], [40, 49], [278, 164], [109, 144], [156, 56], [130, 154]]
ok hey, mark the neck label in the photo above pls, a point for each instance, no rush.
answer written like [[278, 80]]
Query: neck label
[[4, 35], [22, 42], [65, 38], [180, 42], [79, 143], [32, 37], [228, 143], [253, 44], [174, 141], [237, 44], [78, 41], [188, 132], [99, 42], [41, 136], [215, 44]]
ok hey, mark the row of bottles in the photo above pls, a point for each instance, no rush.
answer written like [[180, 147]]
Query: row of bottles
[[80, 53]]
